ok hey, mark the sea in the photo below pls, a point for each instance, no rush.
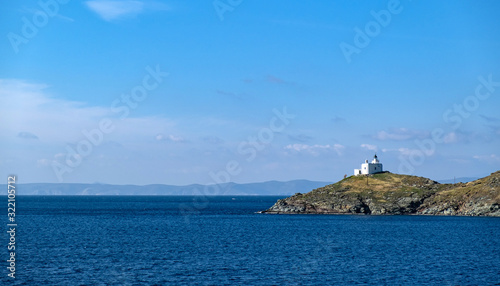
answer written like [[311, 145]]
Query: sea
[[197, 240]]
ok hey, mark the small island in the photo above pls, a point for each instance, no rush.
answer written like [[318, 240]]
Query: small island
[[378, 192]]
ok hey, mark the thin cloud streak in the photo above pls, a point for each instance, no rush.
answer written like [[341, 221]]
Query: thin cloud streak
[[113, 10]]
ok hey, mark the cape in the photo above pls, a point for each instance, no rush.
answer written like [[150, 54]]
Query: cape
[[393, 194]]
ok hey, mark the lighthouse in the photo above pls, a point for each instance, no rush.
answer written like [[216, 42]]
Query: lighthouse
[[369, 168]]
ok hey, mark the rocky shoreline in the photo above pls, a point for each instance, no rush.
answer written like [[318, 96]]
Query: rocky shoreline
[[393, 194]]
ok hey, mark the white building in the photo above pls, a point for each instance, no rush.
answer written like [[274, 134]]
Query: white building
[[369, 168]]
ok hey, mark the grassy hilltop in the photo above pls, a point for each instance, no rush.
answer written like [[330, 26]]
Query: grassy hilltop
[[387, 193]]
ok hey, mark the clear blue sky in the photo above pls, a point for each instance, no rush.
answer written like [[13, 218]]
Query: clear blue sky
[[359, 77]]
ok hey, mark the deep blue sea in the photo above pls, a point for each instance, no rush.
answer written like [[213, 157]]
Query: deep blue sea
[[186, 240]]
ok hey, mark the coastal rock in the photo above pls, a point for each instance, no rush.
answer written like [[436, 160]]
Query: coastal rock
[[393, 194]]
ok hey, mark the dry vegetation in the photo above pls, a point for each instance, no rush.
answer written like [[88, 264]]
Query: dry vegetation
[[388, 193]]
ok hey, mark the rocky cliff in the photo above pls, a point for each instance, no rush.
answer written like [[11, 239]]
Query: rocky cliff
[[388, 193]]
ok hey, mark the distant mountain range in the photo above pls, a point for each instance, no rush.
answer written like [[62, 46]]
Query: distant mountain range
[[230, 189]]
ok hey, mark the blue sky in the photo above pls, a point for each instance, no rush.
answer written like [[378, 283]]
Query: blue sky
[[419, 84]]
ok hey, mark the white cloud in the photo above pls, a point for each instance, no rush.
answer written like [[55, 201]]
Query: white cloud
[[369, 147], [487, 158], [316, 149], [407, 152], [400, 134], [173, 138], [338, 148], [58, 121], [460, 161], [43, 163], [450, 138], [30, 108], [59, 155], [111, 10]]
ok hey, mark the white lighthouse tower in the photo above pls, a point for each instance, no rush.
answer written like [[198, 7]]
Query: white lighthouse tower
[[369, 168]]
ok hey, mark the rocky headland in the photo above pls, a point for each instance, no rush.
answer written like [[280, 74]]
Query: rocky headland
[[392, 194]]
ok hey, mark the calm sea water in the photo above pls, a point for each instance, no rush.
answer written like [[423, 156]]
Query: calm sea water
[[222, 241]]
